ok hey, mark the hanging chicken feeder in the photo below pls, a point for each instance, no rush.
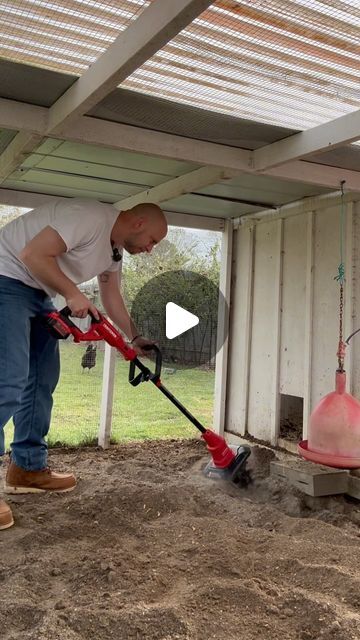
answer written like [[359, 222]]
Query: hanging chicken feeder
[[334, 428]]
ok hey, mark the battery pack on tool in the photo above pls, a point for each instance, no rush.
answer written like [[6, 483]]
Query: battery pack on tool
[[56, 326]]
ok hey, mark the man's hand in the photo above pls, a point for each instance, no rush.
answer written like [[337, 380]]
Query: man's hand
[[139, 343], [81, 306]]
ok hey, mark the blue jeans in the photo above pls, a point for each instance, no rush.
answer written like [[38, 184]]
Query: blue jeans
[[29, 371]]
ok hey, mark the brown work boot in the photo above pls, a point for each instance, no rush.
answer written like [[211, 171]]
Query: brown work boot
[[19, 480], [6, 519]]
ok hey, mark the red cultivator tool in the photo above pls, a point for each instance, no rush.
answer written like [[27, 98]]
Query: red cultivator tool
[[225, 463]]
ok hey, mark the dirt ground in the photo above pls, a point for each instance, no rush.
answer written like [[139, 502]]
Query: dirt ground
[[147, 548]]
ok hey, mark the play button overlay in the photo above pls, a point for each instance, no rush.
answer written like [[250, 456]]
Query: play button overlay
[[178, 310], [178, 320]]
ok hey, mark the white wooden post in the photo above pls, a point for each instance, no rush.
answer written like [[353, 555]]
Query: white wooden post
[[275, 403], [221, 362], [240, 330], [107, 392], [107, 397], [309, 304]]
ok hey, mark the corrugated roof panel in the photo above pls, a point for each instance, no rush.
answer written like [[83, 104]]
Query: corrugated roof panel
[[66, 35], [289, 62]]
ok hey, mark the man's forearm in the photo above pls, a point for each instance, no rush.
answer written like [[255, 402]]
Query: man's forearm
[[120, 316]]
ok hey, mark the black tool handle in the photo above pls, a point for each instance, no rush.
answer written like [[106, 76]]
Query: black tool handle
[[145, 373], [66, 312], [158, 360]]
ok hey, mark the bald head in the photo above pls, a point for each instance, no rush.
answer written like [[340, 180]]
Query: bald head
[[140, 228], [147, 208]]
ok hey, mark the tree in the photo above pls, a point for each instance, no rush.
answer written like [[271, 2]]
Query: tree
[[175, 253], [7, 214], [171, 273]]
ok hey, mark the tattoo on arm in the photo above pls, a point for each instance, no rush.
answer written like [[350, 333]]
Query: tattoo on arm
[[104, 277]]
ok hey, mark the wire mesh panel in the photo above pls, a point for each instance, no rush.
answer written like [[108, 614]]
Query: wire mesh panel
[[77, 399], [138, 413], [142, 412], [294, 63], [66, 35]]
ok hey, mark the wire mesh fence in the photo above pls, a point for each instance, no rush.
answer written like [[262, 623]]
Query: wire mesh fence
[[138, 413], [194, 348]]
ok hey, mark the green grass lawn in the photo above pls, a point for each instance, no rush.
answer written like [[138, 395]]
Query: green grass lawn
[[138, 412]]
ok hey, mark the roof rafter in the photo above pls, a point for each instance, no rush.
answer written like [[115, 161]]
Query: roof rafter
[[336, 133], [121, 136], [322, 175], [89, 130], [177, 186], [155, 26], [29, 200]]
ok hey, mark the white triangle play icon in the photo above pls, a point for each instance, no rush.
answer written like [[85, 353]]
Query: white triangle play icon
[[178, 320]]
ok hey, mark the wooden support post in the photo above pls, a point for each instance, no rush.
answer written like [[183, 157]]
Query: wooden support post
[[223, 326], [107, 397], [240, 330], [275, 403], [309, 296]]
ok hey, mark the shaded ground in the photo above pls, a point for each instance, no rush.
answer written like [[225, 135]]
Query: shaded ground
[[147, 548]]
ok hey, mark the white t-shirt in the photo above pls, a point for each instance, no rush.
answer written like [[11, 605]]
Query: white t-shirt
[[84, 225]]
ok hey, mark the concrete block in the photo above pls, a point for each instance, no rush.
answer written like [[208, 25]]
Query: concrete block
[[353, 489], [310, 478]]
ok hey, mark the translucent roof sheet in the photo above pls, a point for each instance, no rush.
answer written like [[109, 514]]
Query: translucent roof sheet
[[63, 35], [294, 63]]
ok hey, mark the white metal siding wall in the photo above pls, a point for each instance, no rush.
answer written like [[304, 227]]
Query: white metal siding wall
[[264, 343], [284, 329], [240, 329], [325, 303], [354, 350], [293, 306]]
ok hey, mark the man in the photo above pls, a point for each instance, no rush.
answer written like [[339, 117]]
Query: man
[[49, 251]]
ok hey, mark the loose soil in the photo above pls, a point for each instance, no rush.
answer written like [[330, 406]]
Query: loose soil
[[147, 548]]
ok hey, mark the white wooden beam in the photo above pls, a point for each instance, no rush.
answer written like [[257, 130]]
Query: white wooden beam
[[26, 199], [336, 133], [31, 200], [308, 318], [156, 25], [221, 364], [19, 116], [275, 398], [305, 205], [321, 175], [177, 187], [194, 221], [240, 331], [122, 136], [88, 130]]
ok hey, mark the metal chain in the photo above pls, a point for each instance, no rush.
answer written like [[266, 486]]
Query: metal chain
[[341, 278], [341, 349]]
